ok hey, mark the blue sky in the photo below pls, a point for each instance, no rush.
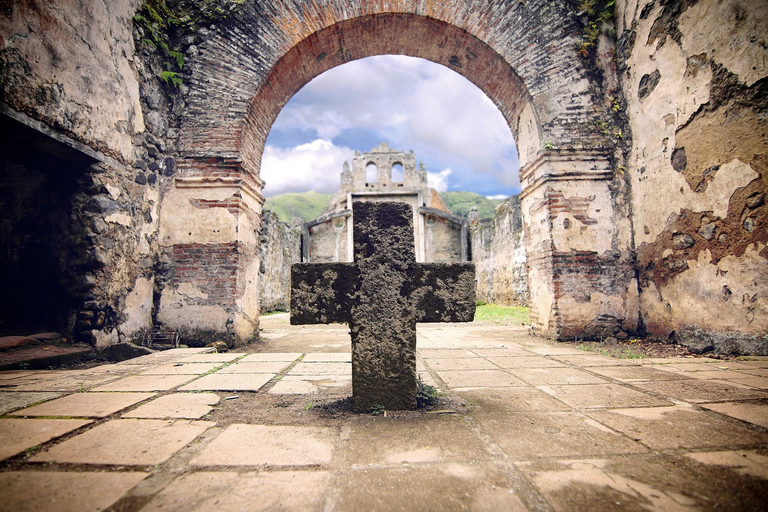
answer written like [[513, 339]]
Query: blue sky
[[410, 103]]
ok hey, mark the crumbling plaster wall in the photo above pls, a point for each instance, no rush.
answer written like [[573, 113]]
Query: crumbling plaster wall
[[498, 252], [72, 66], [694, 78], [68, 64]]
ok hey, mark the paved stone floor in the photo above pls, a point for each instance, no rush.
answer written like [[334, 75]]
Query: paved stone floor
[[523, 424]]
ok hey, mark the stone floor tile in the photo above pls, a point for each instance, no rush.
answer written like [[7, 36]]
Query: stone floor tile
[[586, 360], [758, 372], [176, 405], [744, 462], [229, 382], [409, 440], [18, 434], [549, 350], [182, 369], [513, 399], [700, 391], [752, 413], [475, 363], [15, 374], [321, 369], [552, 376], [190, 351], [727, 365], [227, 491], [526, 362], [310, 384], [445, 353], [59, 491], [590, 485], [91, 405], [146, 383], [468, 486], [119, 442], [271, 445], [636, 373], [534, 435], [328, 357], [62, 383], [679, 427], [271, 356], [602, 396], [654, 361], [508, 350], [685, 366], [212, 358], [756, 362], [426, 378], [479, 378], [11, 400], [163, 357], [271, 367], [704, 374], [748, 380]]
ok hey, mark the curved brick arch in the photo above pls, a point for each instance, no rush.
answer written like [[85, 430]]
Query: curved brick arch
[[521, 54], [401, 34]]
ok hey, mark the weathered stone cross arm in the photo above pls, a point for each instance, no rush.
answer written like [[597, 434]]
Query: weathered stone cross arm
[[324, 293], [382, 295]]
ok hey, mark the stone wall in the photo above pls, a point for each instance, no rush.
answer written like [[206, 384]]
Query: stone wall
[[280, 247], [68, 76], [498, 252], [694, 77]]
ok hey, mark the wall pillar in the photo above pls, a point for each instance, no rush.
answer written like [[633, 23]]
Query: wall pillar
[[579, 258], [209, 238]]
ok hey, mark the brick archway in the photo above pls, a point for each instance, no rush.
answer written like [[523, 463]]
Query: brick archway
[[245, 74]]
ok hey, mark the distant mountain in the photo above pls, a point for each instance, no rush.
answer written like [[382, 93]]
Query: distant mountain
[[306, 205], [309, 205], [461, 202]]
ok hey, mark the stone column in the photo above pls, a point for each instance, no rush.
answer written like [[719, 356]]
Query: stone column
[[209, 238], [580, 262]]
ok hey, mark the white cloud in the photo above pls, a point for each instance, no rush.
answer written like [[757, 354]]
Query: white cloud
[[439, 180], [412, 104], [313, 166], [496, 197]]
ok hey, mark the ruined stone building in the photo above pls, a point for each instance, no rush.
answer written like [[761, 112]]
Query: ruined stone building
[[133, 133], [384, 174]]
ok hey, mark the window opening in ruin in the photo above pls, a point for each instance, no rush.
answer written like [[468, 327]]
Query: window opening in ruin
[[396, 175], [371, 174]]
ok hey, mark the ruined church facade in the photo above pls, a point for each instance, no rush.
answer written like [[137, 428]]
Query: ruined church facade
[[130, 174], [385, 174]]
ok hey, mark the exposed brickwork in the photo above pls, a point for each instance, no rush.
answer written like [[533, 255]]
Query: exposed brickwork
[[215, 269], [556, 203]]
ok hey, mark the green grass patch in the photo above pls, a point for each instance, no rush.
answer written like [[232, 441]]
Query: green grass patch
[[492, 314]]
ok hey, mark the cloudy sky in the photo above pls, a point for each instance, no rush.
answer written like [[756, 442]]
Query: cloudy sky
[[411, 104]]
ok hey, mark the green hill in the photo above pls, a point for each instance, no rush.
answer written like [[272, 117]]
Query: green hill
[[307, 205], [461, 202]]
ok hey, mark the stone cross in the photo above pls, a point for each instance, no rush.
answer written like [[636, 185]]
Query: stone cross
[[382, 295]]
